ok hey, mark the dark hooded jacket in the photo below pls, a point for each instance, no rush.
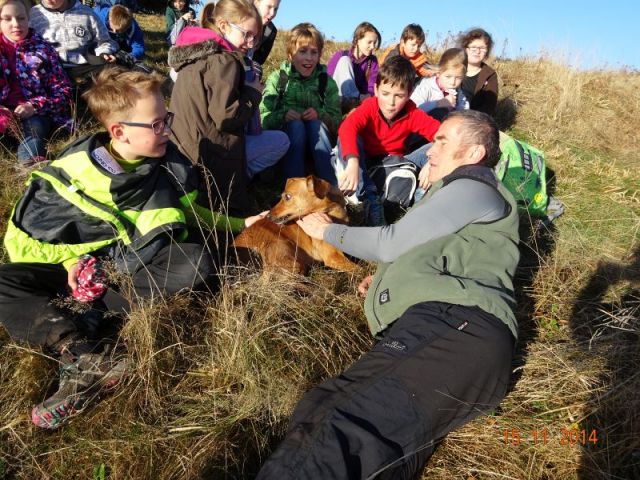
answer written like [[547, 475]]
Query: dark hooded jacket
[[212, 106]]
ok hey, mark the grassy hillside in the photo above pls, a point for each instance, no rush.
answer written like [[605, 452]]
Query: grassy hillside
[[216, 377]]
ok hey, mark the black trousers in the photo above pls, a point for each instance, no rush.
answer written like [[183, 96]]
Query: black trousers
[[26, 291], [440, 366]]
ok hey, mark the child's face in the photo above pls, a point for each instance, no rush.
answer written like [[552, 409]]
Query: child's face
[[268, 9], [367, 44], [243, 35], [180, 4], [411, 46], [451, 78], [55, 4], [14, 21], [391, 99], [141, 141], [477, 51], [306, 57]]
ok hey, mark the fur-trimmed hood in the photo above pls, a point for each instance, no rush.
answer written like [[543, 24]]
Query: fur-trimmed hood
[[196, 43]]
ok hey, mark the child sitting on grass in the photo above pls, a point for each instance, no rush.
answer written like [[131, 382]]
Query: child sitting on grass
[[123, 30], [127, 195], [35, 92], [381, 127], [410, 47], [177, 16], [302, 99], [76, 32], [440, 94], [355, 70], [215, 99]]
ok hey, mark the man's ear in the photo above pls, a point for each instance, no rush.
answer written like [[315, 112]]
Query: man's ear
[[476, 154]]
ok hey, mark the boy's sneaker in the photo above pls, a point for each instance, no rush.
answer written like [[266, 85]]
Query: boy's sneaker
[[374, 211], [80, 382]]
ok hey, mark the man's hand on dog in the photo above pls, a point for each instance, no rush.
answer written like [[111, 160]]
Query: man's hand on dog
[[253, 219], [315, 224]]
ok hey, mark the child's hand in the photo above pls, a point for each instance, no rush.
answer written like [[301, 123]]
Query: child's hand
[[349, 181], [253, 219], [24, 110], [364, 285], [292, 115], [72, 277], [452, 98], [310, 114], [107, 57], [187, 16], [423, 176]]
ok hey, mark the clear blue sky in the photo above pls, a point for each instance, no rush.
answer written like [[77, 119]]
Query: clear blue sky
[[587, 33]]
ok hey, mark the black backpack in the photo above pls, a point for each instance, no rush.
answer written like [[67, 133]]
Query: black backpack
[[396, 179]]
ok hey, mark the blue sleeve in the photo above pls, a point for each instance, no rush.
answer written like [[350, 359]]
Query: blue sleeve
[[462, 202], [137, 41]]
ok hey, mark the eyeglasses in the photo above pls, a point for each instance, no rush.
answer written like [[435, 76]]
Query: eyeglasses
[[477, 49], [246, 34], [158, 127]]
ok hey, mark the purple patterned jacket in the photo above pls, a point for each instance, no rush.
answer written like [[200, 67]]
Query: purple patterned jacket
[[45, 85]]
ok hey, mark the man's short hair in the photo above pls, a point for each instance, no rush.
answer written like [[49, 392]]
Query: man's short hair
[[120, 18], [397, 71], [413, 31], [304, 32], [478, 128], [115, 92]]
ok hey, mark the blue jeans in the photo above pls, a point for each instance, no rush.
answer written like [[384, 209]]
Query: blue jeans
[[313, 134], [265, 150], [365, 185], [35, 131]]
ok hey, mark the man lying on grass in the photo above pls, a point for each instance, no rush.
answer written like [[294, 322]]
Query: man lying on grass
[[441, 303], [127, 195]]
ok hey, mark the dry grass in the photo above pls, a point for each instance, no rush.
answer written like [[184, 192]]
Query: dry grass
[[217, 376]]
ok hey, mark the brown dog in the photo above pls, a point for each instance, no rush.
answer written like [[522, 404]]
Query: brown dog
[[282, 243]]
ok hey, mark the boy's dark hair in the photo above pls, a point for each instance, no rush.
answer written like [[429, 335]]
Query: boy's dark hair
[[413, 31], [397, 71], [474, 34], [478, 128]]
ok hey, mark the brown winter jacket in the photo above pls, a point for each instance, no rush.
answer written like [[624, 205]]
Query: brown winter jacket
[[485, 96], [212, 105]]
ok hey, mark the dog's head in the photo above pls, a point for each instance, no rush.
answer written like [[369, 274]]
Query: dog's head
[[303, 196]]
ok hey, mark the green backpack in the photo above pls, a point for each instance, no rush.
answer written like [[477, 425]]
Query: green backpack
[[522, 170]]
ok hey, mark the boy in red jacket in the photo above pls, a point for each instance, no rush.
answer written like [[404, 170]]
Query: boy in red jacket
[[381, 126]]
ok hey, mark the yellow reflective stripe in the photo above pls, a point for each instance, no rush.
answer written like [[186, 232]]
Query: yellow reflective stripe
[[147, 220], [80, 167], [22, 248], [74, 198]]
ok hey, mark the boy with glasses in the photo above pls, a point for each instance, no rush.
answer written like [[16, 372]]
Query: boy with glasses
[[126, 196]]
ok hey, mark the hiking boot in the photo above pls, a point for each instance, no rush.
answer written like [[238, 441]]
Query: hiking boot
[[80, 383], [374, 211]]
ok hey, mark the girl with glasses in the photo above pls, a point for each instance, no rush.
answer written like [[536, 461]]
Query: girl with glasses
[[214, 99], [480, 85]]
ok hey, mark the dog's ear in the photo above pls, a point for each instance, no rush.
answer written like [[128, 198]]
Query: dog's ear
[[319, 186], [324, 189]]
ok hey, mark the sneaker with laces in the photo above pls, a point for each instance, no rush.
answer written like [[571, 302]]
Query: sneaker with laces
[[80, 383]]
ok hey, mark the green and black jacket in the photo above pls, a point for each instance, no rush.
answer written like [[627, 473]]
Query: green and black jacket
[[77, 205]]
